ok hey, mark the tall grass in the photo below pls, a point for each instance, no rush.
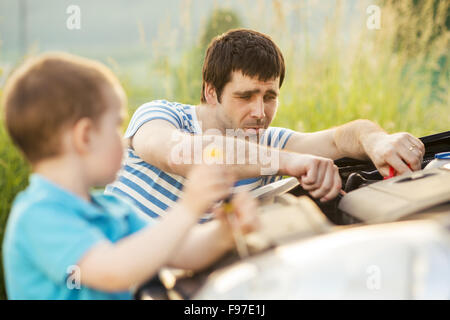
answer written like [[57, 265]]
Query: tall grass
[[13, 178], [404, 86], [398, 76]]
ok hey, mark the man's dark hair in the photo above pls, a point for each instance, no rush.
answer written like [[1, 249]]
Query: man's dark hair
[[248, 51]]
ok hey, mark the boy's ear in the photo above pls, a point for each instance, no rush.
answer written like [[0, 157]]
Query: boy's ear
[[210, 94], [82, 131]]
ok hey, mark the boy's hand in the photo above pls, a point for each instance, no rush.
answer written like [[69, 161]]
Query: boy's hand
[[244, 207], [205, 185]]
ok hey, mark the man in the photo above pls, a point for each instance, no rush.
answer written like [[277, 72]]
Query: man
[[242, 75]]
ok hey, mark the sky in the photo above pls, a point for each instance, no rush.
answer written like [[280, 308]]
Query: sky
[[119, 26]]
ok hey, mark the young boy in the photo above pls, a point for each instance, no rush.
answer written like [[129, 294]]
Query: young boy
[[65, 113]]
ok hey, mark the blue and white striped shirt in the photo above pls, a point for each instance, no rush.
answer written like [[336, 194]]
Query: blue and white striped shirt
[[154, 191]]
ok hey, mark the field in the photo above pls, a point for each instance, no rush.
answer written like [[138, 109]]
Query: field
[[397, 75]]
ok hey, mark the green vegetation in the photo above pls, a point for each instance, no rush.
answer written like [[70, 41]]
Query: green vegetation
[[13, 178], [398, 76]]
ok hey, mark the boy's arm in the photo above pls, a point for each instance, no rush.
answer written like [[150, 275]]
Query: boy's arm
[[134, 259], [207, 242], [203, 245]]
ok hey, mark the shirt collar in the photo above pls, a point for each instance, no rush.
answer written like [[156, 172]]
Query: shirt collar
[[40, 183]]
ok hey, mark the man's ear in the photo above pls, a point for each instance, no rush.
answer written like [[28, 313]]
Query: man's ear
[[210, 94], [82, 135]]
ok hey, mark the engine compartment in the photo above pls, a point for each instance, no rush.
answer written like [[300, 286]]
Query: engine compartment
[[356, 174], [322, 226]]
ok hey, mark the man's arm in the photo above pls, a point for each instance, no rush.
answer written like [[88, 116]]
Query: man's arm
[[159, 143], [362, 139], [343, 141]]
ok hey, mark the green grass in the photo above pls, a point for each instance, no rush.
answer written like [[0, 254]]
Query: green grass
[[402, 85], [13, 178]]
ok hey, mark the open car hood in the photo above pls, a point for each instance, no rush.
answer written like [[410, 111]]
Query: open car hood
[[358, 246]]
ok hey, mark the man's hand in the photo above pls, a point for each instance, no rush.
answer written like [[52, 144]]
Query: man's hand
[[319, 176], [396, 150]]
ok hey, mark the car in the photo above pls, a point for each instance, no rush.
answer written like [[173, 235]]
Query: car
[[380, 239]]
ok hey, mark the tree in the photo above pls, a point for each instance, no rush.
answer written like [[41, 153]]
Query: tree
[[220, 21], [188, 74]]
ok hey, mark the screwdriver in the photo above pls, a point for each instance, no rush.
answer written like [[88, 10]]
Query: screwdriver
[[239, 241], [393, 173], [235, 230]]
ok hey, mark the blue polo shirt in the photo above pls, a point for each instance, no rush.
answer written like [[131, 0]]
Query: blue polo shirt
[[50, 229]]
